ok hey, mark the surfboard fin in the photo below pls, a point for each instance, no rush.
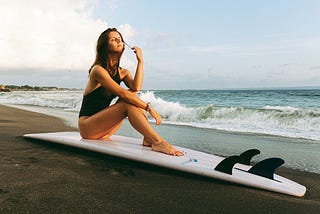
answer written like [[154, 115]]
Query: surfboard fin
[[267, 167], [226, 165], [247, 156]]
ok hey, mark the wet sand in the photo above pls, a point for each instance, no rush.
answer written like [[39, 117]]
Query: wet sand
[[40, 177]]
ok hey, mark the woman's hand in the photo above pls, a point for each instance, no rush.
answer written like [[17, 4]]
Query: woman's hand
[[138, 52], [156, 116]]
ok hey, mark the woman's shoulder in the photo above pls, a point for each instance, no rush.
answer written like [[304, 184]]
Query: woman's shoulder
[[98, 70], [123, 72]]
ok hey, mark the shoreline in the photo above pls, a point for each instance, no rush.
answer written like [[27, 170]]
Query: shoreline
[[37, 108], [218, 142], [44, 177], [32, 109]]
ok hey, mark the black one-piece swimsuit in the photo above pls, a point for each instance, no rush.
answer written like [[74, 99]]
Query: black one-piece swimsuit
[[97, 100]]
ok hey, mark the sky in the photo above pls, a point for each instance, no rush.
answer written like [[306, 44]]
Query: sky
[[194, 44]]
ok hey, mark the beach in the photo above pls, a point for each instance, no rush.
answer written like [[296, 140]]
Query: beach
[[40, 177]]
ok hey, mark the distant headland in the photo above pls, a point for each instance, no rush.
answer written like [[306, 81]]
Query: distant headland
[[9, 88]]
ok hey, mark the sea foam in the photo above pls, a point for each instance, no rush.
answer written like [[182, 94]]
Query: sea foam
[[279, 120], [274, 120]]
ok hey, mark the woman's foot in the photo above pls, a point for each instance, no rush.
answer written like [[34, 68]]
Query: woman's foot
[[166, 148], [146, 143]]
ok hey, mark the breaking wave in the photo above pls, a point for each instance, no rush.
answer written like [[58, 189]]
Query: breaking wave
[[274, 120], [285, 121]]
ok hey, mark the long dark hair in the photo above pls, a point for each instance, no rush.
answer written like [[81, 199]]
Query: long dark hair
[[103, 52]]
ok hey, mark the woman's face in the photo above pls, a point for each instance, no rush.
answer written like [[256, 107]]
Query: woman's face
[[115, 43]]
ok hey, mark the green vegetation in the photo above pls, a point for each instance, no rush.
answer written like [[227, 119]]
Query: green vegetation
[[30, 88]]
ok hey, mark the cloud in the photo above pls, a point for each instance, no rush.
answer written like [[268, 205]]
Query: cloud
[[50, 35], [127, 31], [113, 4], [156, 40], [241, 50], [315, 68], [279, 47]]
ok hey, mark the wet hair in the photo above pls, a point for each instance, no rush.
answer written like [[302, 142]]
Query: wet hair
[[103, 52]]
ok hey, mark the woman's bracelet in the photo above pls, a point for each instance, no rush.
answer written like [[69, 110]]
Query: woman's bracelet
[[148, 107]]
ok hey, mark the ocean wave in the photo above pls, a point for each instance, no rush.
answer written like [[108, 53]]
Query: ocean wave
[[68, 100], [279, 120], [274, 120]]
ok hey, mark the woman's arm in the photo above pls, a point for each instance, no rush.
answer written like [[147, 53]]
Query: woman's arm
[[135, 84], [102, 76]]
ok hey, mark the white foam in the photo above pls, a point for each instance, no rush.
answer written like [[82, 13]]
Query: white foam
[[274, 120]]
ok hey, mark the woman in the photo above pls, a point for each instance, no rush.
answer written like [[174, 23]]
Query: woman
[[99, 120]]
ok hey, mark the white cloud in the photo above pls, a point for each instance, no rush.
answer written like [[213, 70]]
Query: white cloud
[[50, 35], [113, 4], [280, 46], [127, 31]]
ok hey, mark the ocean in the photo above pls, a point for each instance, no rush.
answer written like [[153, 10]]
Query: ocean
[[280, 122]]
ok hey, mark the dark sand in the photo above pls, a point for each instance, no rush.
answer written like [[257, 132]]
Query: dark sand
[[39, 177]]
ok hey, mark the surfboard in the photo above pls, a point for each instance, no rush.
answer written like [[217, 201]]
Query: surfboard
[[234, 169]]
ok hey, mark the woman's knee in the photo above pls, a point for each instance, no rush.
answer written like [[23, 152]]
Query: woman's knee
[[127, 106], [133, 108]]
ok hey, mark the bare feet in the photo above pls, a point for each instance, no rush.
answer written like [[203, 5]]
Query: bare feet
[[166, 148], [146, 143], [163, 147]]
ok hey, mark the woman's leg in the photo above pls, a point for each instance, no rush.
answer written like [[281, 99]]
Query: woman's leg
[[103, 123], [109, 120], [139, 121]]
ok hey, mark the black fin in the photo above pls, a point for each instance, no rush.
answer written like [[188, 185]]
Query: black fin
[[267, 167], [247, 156], [227, 164]]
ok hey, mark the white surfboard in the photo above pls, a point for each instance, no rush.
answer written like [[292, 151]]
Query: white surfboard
[[195, 162]]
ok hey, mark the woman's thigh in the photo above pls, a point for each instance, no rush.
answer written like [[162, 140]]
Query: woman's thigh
[[103, 123]]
